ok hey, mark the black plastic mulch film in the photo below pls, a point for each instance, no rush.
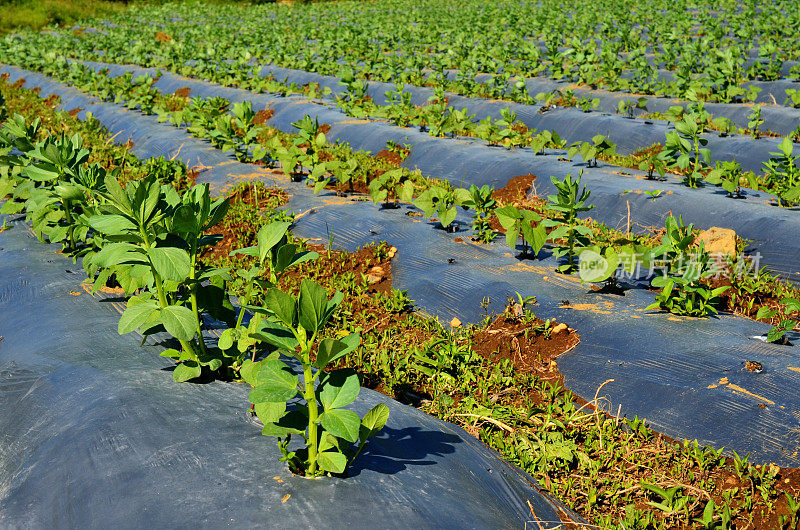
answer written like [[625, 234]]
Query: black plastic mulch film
[[685, 376]]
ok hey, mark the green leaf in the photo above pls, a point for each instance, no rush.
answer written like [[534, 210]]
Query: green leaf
[[276, 382], [775, 334], [186, 370], [338, 389], [374, 421], [283, 305], [171, 353], [179, 321], [277, 336], [112, 225], [170, 263], [341, 423], [249, 372], [332, 462], [269, 236], [765, 312], [447, 216], [185, 220], [312, 305], [117, 194], [135, 315], [293, 422], [118, 254], [269, 411], [225, 341], [331, 349]]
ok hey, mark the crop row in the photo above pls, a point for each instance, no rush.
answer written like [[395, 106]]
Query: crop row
[[591, 444], [306, 155], [684, 150], [653, 47]]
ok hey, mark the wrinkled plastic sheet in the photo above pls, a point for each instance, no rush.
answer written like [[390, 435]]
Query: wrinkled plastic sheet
[[685, 376], [468, 161], [94, 433]]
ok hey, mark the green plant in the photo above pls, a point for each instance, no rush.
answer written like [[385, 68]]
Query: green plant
[[600, 146], [685, 149], [586, 104], [393, 184], [319, 418], [754, 122], [600, 263], [686, 266], [710, 521], [520, 222], [793, 507], [671, 499], [778, 332], [274, 255], [793, 95], [168, 171], [481, 201], [629, 107], [567, 204], [396, 301], [782, 173], [653, 164], [441, 201], [149, 226], [730, 176]]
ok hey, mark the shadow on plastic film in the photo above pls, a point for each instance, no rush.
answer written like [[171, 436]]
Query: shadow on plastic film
[[394, 450]]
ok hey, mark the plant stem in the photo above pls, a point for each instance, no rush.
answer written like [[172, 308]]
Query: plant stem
[[313, 414], [193, 297]]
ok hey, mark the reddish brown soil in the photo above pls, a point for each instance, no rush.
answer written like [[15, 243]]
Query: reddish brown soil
[[183, 92], [162, 37], [75, 111], [263, 116], [516, 191], [511, 337], [390, 156]]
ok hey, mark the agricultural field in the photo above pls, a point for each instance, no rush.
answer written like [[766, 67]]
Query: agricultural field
[[487, 264]]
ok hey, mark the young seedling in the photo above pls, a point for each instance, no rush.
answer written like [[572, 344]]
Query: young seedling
[[730, 176], [391, 188], [567, 204], [520, 222], [628, 107], [685, 149], [443, 202], [683, 291], [754, 122], [481, 201], [600, 146], [327, 428], [778, 332], [783, 174]]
